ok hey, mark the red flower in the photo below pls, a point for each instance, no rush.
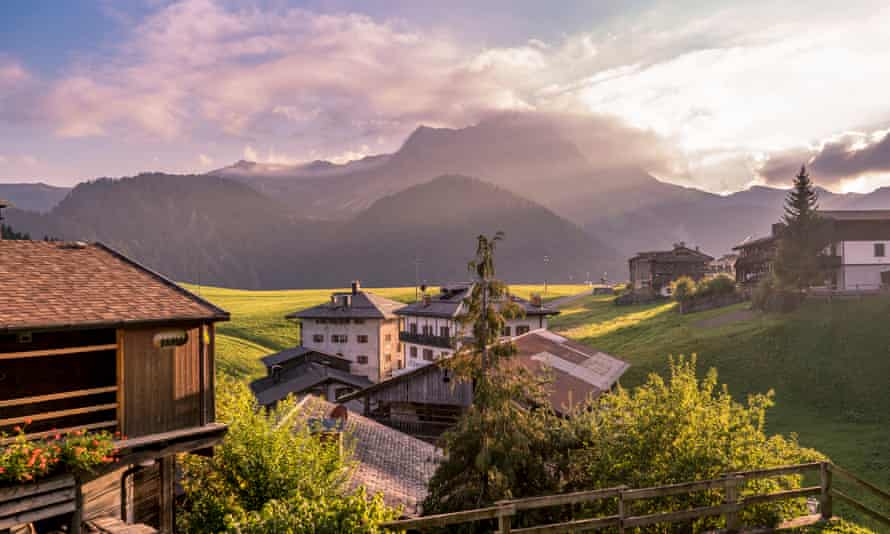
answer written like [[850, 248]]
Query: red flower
[[17, 429], [2, 470], [28, 421]]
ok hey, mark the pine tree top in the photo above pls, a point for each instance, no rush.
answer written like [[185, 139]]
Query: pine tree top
[[803, 201]]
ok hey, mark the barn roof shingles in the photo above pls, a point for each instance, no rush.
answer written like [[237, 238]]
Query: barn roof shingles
[[51, 284]]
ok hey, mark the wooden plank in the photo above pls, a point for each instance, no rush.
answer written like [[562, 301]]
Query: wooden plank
[[572, 526], [59, 413], [56, 396], [853, 478], [121, 397], [683, 515], [168, 494], [826, 504], [561, 499], [56, 352], [38, 435], [778, 471], [161, 437], [673, 489], [442, 520], [36, 501], [782, 495], [24, 490], [861, 507], [35, 515]]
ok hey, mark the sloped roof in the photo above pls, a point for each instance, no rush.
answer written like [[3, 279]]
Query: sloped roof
[[362, 305], [579, 372], [856, 215], [388, 461], [299, 379], [677, 254], [60, 285], [449, 304]]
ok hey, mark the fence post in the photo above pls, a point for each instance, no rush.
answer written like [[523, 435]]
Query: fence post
[[825, 500], [621, 511], [731, 496], [505, 518]]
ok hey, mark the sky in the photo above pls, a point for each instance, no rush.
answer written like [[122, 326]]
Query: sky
[[742, 92]]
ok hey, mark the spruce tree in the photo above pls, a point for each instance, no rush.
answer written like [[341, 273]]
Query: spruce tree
[[797, 264]]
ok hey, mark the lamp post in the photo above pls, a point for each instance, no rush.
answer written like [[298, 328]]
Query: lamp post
[[546, 262]]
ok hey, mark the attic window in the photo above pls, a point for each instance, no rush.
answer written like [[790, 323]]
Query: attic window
[[171, 338]]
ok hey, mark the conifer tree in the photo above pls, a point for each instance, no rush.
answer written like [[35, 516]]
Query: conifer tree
[[797, 264]]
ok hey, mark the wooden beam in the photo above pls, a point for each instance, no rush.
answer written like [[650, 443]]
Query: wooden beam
[[172, 435], [35, 515], [782, 495], [861, 507], [56, 396], [571, 526], [442, 520], [778, 471], [38, 435], [24, 490], [59, 413], [683, 515], [36, 501], [673, 489], [56, 352], [561, 499], [121, 384], [853, 478]]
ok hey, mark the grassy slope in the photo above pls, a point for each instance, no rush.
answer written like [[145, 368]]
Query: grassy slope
[[258, 326], [829, 364]]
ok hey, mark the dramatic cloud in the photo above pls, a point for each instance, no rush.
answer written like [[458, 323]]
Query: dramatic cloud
[[849, 157]]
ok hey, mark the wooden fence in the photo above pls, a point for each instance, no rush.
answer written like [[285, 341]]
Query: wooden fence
[[733, 503]]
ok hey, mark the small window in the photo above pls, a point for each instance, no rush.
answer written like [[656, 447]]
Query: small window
[[358, 321], [339, 338], [444, 331], [413, 352], [318, 338], [413, 328], [507, 331], [521, 330], [361, 359], [427, 329], [428, 354], [879, 250], [362, 338]]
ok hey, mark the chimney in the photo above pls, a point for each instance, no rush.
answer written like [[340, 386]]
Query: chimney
[[356, 286]]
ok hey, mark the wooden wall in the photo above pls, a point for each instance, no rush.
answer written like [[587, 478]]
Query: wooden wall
[[163, 386], [426, 387]]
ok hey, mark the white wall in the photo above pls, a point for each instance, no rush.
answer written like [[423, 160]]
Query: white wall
[[352, 348], [862, 253]]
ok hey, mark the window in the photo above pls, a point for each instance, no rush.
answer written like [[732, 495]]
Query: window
[[413, 352], [358, 321], [413, 328], [318, 338], [339, 338], [879, 250], [521, 330], [363, 360], [444, 331], [362, 338], [506, 331], [427, 330], [428, 354]]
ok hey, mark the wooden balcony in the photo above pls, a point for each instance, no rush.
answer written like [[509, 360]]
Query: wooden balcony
[[428, 340]]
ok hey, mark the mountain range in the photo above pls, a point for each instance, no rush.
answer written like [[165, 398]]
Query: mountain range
[[320, 224]]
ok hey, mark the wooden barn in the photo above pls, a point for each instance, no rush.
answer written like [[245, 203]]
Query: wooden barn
[[90, 339]]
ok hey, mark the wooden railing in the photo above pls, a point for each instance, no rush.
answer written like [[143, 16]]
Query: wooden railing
[[733, 503]]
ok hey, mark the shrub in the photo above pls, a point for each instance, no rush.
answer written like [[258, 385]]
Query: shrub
[[763, 294], [26, 460], [715, 286], [266, 475], [683, 288]]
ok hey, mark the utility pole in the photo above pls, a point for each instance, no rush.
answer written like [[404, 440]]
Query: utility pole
[[416, 279], [546, 263]]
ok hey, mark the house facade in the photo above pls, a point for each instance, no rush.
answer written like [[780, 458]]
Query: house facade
[[358, 326], [91, 340], [654, 271], [430, 329]]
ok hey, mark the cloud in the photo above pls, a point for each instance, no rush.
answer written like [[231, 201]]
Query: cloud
[[250, 153], [843, 158], [204, 160]]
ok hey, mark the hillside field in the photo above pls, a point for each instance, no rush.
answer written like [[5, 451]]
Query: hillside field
[[828, 363], [258, 326]]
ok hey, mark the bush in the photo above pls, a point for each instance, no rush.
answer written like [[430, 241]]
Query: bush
[[715, 286], [763, 294], [26, 460], [683, 288], [266, 474]]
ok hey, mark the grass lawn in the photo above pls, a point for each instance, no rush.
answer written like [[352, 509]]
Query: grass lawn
[[258, 326], [829, 364]]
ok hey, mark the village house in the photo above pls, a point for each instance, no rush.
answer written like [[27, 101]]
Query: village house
[[430, 329], [855, 258], [427, 401], [358, 326], [91, 340], [654, 271]]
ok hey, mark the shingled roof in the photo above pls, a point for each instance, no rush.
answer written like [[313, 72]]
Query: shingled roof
[[449, 303], [388, 461], [358, 305], [48, 285]]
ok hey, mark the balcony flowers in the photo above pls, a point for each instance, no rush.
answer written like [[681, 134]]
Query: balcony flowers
[[27, 460]]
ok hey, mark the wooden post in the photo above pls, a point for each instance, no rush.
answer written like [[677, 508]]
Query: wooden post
[[504, 524], [168, 479], [621, 511], [731, 496], [77, 515], [825, 500]]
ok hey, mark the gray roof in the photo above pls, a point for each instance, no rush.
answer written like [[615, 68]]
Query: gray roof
[[362, 305], [300, 379], [288, 354], [448, 303], [388, 461], [856, 215], [686, 254]]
